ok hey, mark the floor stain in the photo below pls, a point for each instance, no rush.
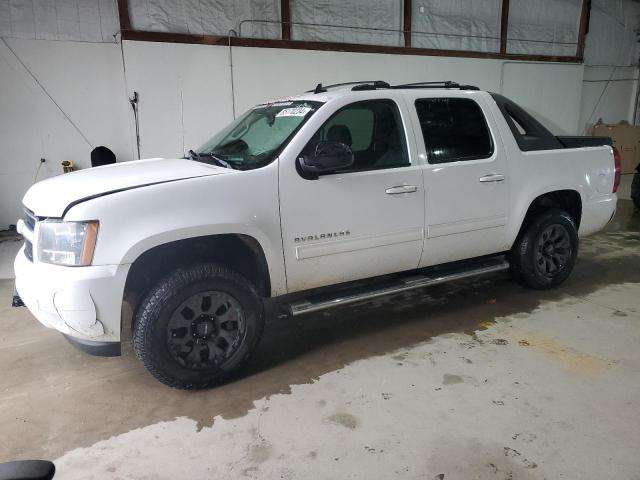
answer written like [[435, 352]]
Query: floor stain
[[524, 437], [516, 455], [345, 419], [260, 453], [449, 379], [570, 358]]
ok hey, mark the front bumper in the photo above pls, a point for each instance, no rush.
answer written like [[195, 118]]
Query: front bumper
[[83, 303], [99, 349]]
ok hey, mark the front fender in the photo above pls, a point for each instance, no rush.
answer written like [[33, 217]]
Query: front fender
[[134, 221]]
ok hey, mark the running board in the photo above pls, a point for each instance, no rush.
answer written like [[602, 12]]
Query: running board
[[409, 283]]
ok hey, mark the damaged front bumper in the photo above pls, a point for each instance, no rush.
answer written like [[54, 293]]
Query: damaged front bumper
[[82, 303]]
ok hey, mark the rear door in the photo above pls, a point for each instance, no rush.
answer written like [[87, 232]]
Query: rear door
[[466, 177]]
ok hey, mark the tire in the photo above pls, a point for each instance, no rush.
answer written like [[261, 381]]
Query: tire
[[189, 342], [635, 188], [544, 254]]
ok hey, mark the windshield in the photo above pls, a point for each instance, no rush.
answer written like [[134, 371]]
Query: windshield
[[257, 137]]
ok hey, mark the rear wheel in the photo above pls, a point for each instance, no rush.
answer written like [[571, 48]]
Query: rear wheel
[[545, 253], [197, 326]]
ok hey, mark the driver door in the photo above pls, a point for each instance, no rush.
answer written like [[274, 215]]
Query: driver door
[[359, 222]]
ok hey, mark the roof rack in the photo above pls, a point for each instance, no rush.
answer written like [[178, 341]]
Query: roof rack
[[323, 88], [445, 84], [381, 84]]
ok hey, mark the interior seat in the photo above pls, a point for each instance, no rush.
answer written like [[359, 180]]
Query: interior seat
[[340, 133]]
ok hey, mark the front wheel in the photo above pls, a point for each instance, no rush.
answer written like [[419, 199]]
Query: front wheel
[[197, 326], [545, 253]]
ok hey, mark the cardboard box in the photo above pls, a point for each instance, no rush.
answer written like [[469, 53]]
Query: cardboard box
[[626, 138]]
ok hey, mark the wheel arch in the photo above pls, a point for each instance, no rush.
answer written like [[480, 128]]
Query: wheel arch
[[242, 253], [568, 200]]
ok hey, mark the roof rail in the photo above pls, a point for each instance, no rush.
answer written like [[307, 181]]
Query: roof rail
[[371, 86], [445, 84], [381, 84], [375, 83]]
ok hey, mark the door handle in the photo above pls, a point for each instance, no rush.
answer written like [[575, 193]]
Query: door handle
[[492, 177], [401, 189]]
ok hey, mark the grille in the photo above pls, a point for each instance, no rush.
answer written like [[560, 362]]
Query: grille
[[29, 219], [28, 250]]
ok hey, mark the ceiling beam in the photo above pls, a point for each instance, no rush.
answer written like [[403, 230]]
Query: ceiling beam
[[224, 40], [504, 26], [585, 12], [123, 15], [406, 22], [285, 18]]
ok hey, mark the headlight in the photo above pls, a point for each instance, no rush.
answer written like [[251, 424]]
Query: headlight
[[67, 243]]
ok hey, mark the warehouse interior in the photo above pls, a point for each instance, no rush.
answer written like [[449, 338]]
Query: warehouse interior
[[479, 378]]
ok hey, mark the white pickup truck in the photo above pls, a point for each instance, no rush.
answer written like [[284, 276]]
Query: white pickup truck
[[338, 195]]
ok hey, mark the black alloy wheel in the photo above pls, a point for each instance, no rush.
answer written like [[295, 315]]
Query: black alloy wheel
[[205, 330], [544, 253], [553, 250], [198, 325]]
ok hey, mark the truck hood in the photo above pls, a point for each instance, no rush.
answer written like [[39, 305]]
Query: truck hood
[[51, 197]]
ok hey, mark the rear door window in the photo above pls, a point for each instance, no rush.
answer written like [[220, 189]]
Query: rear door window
[[454, 130]]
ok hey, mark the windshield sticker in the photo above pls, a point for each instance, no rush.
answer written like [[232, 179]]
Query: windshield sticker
[[294, 112], [280, 104], [276, 104]]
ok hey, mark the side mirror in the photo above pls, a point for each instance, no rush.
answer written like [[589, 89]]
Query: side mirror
[[326, 157]]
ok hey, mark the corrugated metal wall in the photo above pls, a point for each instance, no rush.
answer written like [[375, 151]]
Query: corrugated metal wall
[[76, 20], [548, 27]]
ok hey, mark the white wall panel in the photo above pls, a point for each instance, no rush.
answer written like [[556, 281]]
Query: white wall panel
[[551, 92], [287, 72], [608, 94], [85, 80], [185, 94]]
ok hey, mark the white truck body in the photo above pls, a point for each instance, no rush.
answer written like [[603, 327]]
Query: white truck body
[[313, 233]]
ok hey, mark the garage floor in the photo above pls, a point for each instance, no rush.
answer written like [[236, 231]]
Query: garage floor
[[478, 380]]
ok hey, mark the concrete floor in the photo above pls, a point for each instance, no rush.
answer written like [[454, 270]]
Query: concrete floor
[[480, 379]]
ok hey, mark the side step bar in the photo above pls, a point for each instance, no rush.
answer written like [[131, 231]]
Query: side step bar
[[409, 283]]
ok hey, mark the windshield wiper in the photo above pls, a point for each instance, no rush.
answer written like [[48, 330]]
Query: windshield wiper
[[216, 160], [192, 155]]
